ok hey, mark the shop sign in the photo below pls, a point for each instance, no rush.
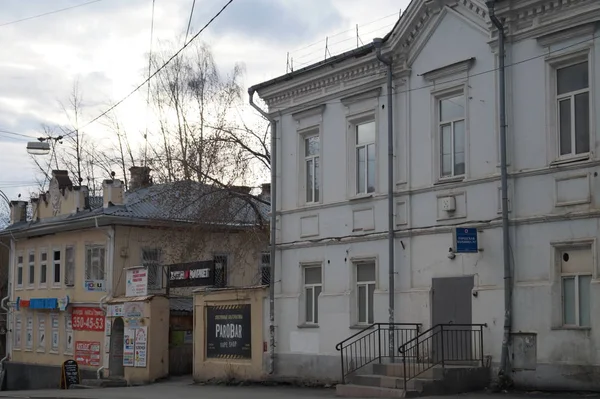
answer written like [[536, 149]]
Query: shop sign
[[87, 353], [141, 341], [228, 332], [87, 319], [193, 274], [94, 285], [42, 303], [129, 347], [137, 282]]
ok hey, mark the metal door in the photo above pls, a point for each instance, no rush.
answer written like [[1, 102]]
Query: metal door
[[115, 363], [451, 298]]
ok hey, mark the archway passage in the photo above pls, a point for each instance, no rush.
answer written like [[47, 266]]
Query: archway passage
[[115, 363]]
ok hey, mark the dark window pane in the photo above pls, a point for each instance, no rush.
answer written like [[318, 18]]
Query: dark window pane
[[572, 78], [564, 115], [56, 255], [582, 123], [19, 276]]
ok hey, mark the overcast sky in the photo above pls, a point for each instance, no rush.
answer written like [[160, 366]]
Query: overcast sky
[[103, 46]]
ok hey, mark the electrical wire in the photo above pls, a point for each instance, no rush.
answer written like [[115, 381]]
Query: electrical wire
[[48, 13], [187, 32], [157, 71], [17, 134], [149, 70]]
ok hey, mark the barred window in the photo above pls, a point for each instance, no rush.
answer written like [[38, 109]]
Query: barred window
[[94, 262], [265, 268], [151, 259], [221, 261]]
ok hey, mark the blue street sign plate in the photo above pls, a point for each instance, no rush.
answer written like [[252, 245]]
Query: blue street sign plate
[[466, 240]]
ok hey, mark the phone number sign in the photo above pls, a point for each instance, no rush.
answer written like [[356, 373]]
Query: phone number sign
[[87, 319]]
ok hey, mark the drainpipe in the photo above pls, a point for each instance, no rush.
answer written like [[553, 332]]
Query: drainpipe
[[504, 180], [390, 194], [273, 229], [8, 336]]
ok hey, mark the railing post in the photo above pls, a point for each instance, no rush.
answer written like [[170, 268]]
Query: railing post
[[379, 340], [481, 344], [343, 373], [442, 334], [404, 367]]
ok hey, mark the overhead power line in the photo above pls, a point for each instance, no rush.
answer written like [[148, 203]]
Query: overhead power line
[[187, 31], [157, 71], [48, 13]]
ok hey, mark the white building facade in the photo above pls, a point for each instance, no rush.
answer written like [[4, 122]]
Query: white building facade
[[332, 255]]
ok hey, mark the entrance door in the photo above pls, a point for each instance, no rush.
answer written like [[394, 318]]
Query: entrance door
[[115, 363], [452, 306]]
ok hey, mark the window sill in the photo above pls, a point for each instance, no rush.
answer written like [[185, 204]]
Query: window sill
[[69, 285], [56, 287], [448, 180], [27, 350], [306, 325], [361, 327], [571, 328], [359, 197], [53, 352], [19, 288], [29, 288], [570, 160], [42, 287], [40, 351]]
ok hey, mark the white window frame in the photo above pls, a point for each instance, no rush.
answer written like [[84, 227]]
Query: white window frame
[[41, 317], [576, 277], [442, 93], [68, 335], [554, 62], [30, 267], [365, 146], [54, 317], [452, 123], [19, 267], [55, 263], [29, 333], [369, 320], [156, 265], [315, 297], [18, 334], [314, 198], [43, 284], [88, 272], [69, 269], [364, 115]]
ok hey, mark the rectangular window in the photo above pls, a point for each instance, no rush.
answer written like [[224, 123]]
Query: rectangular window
[[221, 261], [265, 268], [31, 275], [311, 161], [365, 289], [365, 157], [43, 268], [18, 332], [20, 271], [151, 259], [68, 335], [41, 347], [576, 278], [452, 136], [29, 333], [573, 109], [54, 321], [56, 268], [70, 266], [312, 290], [94, 262]]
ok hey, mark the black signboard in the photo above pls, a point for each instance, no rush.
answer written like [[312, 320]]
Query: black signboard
[[192, 274], [228, 332], [69, 374]]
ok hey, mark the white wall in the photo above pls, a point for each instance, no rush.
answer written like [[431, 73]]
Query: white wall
[[538, 194]]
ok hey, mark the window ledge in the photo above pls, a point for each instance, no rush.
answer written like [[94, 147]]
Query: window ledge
[[57, 287], [572, 328], [70, 285], [570, 160], [361, 197], [308, 325], [27, 350], [448, 180], [361, 327], [30, 288], [18, 288], [40, 351], [53, 352]]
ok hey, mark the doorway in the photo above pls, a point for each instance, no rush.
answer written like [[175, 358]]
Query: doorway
[[115, 362], [452, 308]]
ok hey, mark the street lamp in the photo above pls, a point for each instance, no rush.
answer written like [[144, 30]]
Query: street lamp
[[38, 147]]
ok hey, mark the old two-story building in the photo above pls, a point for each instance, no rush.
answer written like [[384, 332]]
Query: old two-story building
[[101, 276], [332, 262]]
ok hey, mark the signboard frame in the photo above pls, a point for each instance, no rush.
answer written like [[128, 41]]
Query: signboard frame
[[87, 319], [191, 274], [466, 240], [69, 374], [136, 281], [229, 331]]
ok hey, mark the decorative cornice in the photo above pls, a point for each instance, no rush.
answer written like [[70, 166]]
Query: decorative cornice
[[313, 111], [449, 70]]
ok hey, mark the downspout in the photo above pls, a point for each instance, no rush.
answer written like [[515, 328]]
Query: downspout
[[8, 336], [504, 360], [390, 194], [273, 229]]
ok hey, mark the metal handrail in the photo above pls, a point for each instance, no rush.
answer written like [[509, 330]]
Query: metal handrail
[[430, 348], [370, 344]]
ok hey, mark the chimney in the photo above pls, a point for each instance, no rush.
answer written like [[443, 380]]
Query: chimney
[[81, 200], [62, 178], [140, 177], [18, 211], [112, 192], [266, 190]]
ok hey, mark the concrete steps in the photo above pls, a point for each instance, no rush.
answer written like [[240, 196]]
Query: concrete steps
[[386, 380]]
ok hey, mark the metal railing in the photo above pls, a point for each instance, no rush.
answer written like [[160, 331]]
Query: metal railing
[[373, 344], [445, 344]]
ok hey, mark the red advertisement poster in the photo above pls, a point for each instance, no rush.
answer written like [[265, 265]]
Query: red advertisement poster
[[87, 353], [87, 319]]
